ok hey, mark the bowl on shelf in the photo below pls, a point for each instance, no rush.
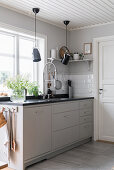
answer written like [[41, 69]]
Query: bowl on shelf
[[76, 56]]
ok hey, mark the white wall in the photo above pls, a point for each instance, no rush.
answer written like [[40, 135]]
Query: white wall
[[78, 37], [80, 75]]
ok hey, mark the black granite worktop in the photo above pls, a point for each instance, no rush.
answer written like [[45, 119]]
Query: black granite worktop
[[45, 101]]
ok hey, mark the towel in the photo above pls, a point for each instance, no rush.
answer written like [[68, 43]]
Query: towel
[[2, 119], [13, 135], [4, 136]]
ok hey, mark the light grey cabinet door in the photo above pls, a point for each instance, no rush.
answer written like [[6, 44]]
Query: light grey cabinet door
[[86, 119], [65, 124], [37, 131], [86, 130], [65, 137]]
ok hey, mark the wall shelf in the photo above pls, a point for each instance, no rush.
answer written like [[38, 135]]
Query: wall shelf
[[71, 61]]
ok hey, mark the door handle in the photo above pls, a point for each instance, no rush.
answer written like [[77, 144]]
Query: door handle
[[100, 91]]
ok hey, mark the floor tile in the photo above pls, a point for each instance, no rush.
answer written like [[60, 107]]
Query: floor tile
[[109, 152], [90, 156]]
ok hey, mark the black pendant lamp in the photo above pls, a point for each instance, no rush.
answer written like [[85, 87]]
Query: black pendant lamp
[[66, 58], [36, 54]]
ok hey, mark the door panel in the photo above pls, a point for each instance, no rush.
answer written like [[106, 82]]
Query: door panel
[[37, 131], [108, 121], [108, 91], [106, 94]]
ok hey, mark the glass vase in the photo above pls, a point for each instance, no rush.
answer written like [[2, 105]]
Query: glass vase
[[18, 96]]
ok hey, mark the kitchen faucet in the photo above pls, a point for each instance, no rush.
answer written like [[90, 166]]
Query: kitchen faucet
[[54, 77]]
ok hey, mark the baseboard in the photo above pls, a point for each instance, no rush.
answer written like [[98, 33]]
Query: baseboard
[[103, 141]]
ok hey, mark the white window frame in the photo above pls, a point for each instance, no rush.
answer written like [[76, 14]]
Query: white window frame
[[12, 35], [11, 30]]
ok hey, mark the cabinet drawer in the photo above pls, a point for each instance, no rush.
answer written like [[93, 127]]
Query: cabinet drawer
[[84, 112], [65, 137], [65, 120], [85, 119], [64, 107], [86, 104], [38, 109], [86, 130]]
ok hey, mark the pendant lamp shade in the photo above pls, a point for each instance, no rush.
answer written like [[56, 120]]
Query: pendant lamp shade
[[66, 58], [36, 53]]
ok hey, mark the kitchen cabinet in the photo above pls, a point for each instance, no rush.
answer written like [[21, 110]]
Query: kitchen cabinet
[[44, 130], [85, 130], [72, 121], [37, 131], [65, 129], [65, 137], [86, 119]]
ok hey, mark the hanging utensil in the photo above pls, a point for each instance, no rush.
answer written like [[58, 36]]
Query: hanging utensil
[[13, 146], [58, 84]]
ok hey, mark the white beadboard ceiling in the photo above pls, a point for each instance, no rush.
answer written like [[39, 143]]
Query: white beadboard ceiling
[[81, 13]]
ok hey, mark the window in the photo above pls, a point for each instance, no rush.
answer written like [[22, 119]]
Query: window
[[16, 58], [6, 58], [25, 57]]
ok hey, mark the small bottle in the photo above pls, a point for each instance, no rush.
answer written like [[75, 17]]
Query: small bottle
[[70, 89]]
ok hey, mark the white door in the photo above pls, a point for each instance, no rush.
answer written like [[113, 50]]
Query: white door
[[106, 91]]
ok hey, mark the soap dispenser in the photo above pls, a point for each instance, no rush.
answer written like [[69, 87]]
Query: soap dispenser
[[70, 90]]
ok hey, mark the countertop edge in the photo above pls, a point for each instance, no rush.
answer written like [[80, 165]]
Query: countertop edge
[[44, 102]]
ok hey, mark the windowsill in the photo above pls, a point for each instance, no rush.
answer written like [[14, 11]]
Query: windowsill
[[4, 98], [36, 98]]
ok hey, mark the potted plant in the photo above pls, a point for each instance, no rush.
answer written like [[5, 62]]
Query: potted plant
[[33, 89], [81, 55], [17, 86]]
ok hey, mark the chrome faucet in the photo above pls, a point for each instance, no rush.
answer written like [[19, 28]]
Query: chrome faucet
[[55, 73]]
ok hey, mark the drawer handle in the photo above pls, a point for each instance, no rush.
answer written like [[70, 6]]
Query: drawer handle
[[35, 112], [67, 116], [86, 126], [85, 112]]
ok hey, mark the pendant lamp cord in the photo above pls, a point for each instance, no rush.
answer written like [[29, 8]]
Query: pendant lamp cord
[[66, 35], [35, 29]]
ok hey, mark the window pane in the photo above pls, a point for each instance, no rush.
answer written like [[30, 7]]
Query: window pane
[[25, 48], [25, 57], [6, 44], [26, 67], [6, 71]]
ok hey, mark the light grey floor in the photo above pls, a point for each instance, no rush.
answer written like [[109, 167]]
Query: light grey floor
[[90, 156]]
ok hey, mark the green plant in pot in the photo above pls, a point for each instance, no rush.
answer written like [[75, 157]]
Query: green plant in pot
[[33, 89], [17, 86]]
